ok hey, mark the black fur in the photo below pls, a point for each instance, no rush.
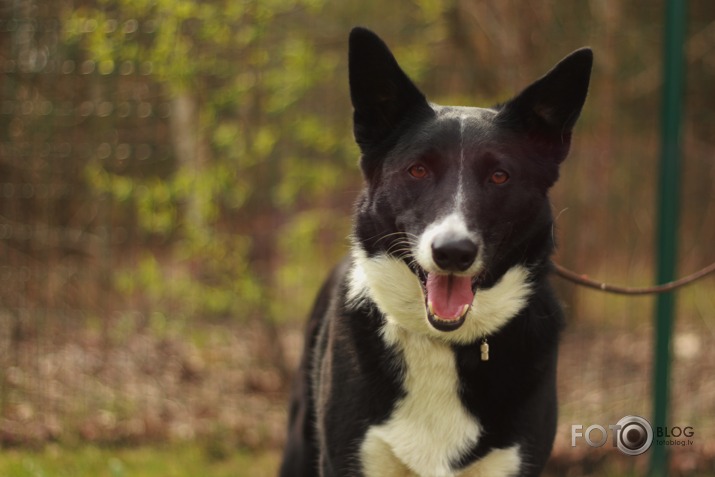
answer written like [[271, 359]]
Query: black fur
[[349, 378]]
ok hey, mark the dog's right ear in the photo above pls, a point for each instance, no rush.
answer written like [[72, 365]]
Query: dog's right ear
[[382, 94]]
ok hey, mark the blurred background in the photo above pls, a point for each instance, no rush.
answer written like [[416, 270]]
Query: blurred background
[[177, 178]]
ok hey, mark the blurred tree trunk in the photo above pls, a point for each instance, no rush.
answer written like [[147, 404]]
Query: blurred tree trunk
[[191, 153]]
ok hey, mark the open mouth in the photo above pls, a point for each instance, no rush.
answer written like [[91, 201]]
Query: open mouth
[[448, 298]]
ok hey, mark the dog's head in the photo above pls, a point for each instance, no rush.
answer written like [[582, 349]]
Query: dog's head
[[458, 195]]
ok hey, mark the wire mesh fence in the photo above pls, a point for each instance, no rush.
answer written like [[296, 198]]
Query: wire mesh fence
[[176, 180]]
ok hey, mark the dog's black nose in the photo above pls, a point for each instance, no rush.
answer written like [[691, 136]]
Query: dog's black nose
[[454, 255]]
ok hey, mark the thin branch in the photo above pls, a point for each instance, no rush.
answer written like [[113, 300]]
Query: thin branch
[[666, 287]]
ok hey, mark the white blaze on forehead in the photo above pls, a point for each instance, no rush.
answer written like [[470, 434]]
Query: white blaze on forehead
[[465, 116], [460, 184]]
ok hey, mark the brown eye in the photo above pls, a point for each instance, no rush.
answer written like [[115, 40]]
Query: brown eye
[[418, 171], [499, 177]]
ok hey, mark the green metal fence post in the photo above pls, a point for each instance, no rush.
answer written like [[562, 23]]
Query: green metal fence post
[[668, 208]]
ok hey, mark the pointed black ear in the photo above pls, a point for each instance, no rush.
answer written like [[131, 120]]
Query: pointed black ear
[[549, 107], [381, 93]]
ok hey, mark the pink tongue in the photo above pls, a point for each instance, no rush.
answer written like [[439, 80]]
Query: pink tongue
[[447, 295]]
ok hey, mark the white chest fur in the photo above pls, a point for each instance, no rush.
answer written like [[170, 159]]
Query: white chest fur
[[430, 428], [390, 284]]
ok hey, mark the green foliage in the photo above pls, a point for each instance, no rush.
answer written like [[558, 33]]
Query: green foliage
[[269, 143], [248, 77], [306, 258]]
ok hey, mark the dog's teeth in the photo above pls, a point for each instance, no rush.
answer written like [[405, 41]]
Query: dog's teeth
[[430, 307]]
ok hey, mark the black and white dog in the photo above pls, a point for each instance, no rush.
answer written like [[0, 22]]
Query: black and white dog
[[432, 350]]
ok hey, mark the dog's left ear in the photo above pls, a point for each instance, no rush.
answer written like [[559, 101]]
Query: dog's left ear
[[548, 108]]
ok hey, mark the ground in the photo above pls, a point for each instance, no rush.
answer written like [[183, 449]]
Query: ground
[[214, 387]]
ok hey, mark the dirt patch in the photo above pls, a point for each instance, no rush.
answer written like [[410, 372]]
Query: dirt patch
[[218, 383], [142, 388]]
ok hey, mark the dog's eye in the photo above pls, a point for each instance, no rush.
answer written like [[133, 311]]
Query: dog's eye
[[499, 177], [418, 171]]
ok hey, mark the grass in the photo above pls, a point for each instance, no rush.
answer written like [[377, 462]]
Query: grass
[[155, 461], [186, 460]]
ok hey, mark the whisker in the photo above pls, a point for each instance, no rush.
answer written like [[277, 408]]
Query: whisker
[[386, 236]]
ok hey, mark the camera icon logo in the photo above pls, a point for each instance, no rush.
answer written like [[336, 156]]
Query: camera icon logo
[[634, 435]]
